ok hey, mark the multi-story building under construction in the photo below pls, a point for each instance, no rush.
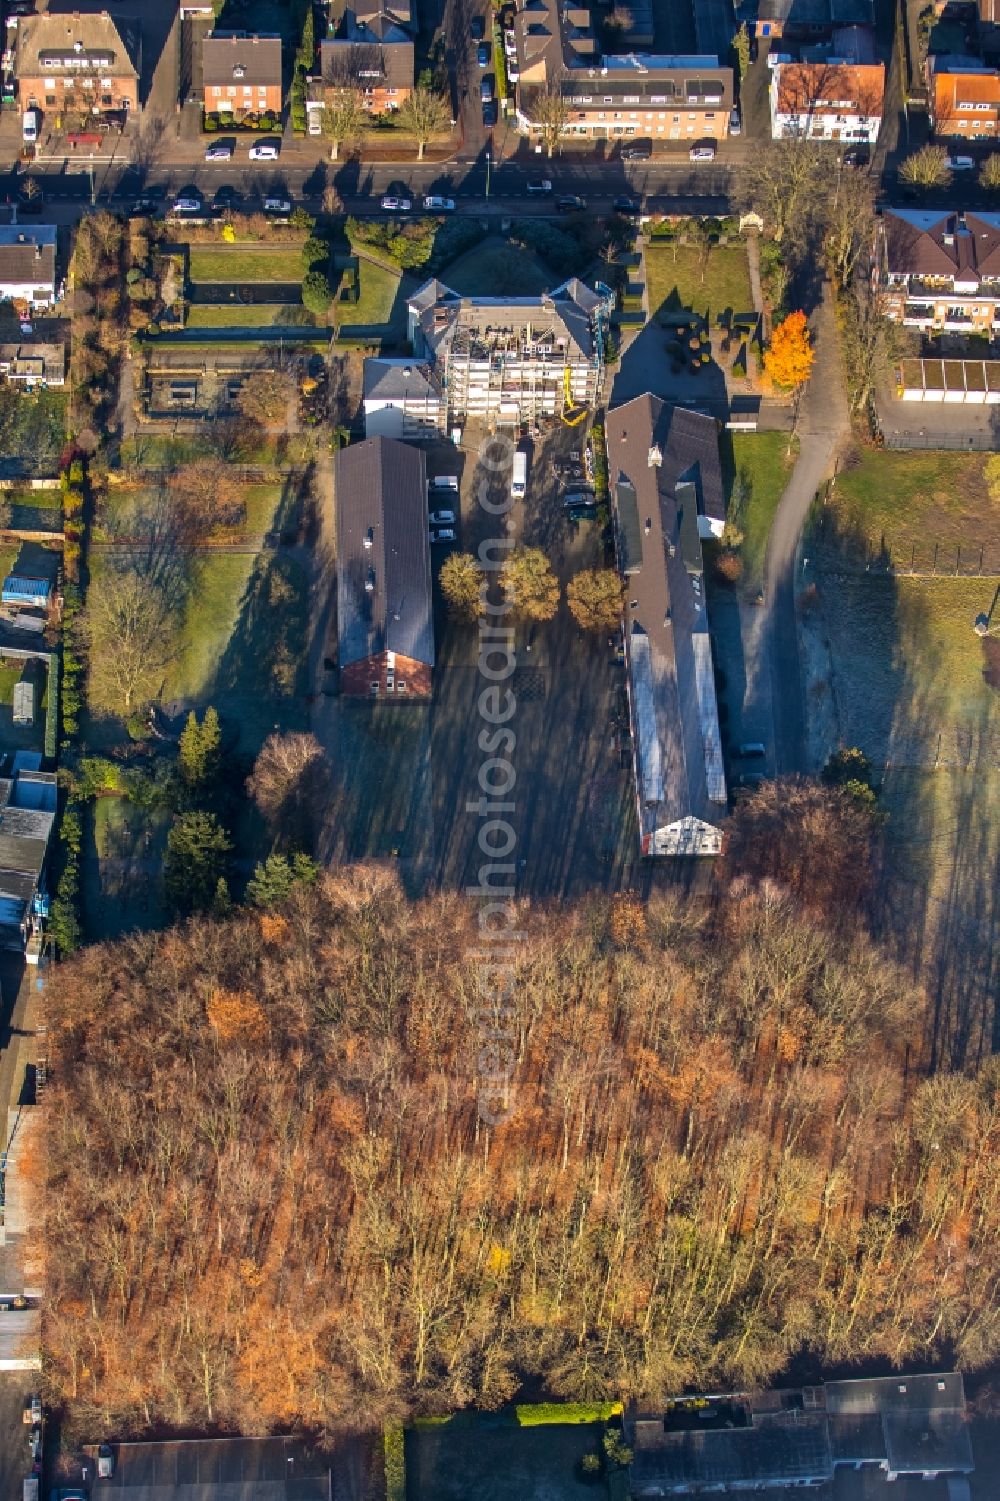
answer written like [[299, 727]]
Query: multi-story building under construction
[[512, 359]]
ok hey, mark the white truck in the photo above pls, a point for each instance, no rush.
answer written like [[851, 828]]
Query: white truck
[[519, 475]]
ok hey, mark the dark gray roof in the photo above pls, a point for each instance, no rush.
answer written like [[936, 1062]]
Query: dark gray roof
[[381, 495], [652, 450], [258, 56], [379, 50], [234, 1469], [28, 254], [922, 1419], [815, 13], [399, 379], [790, 1446]]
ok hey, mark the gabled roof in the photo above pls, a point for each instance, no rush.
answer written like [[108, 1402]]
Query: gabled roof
[[27, 254], [384, 60], [43, 41], [921, 242], [663, 464], [238, 57], [922, 1420], [383, 552], [399, 380]]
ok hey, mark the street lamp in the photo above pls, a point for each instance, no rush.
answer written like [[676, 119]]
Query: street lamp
[[487, 174]]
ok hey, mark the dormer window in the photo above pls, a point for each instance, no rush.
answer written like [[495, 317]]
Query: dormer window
[[369, 540], [239, 71]]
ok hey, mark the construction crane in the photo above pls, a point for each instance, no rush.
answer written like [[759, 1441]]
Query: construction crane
[[571, 415]]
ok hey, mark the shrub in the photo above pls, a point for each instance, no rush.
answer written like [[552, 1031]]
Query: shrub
[[729, 567], [317, 293]]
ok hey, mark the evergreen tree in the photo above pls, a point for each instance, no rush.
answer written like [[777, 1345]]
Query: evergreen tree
[[199, 748], [197, 846]]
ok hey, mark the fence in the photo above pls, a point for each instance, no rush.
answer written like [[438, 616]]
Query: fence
[[902, 555]]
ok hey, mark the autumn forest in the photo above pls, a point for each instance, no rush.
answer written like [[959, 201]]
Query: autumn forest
[[271, 1199]]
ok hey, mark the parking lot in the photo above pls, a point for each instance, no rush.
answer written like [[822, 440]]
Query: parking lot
[[407, 773]]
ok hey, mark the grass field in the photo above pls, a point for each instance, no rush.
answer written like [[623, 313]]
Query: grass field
[[247, 315], [378, 294], [758, 459], [38, 500], [123, 862], [906, 682], [908, 501], [210, 616], [496, 268], [676, 284], [238, 263], [8, 557]]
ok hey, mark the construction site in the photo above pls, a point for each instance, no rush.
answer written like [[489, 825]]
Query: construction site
[[515, 359]]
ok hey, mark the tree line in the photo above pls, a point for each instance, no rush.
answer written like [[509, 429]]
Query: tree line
[[270, 1199]]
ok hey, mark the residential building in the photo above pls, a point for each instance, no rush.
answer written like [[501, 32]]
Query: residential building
[[384, 607], [78, 65], [655, 97], [666, 488], [964, 96], [827, 101], [988, 16], [892, 1428], [28, 264], [513, 358], [211, 1469], [939, 270], [373, 55], [33, 364], [403, 399], [809, 20], [241, 74], [28, 799]]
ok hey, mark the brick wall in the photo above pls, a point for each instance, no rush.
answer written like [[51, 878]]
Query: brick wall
[[356, 679]]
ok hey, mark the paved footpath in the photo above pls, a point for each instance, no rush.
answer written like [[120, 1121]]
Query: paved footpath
[[824, 427]]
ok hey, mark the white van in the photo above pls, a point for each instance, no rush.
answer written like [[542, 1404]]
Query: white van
[[519, 475], [29, 126]]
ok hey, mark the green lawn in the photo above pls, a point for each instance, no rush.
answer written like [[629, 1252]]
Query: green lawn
[[38, 500], [496, 268], [210, 617], [675, 282], [8, 557], [237, 263], [910, 501], [758, 459], [247, 315], [378, 294], [10, 676]]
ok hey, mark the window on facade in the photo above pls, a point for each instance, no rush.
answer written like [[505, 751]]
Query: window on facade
[[400, 686], [106, 100], [608, 99]]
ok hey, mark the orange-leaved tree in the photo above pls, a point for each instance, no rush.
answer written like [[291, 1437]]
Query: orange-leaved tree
[[790, 357]]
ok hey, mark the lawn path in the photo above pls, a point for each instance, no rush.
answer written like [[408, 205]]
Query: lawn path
[[824, 426]]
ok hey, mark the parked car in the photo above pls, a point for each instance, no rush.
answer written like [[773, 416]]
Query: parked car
[[962, 163], [490, 113], [394, 205], [443, 482], [187, 205], [105, 1462], [265, 151], [483, 55], [702, 153], [442, 518], [219, 151], [315, 123], [639, 151], [629, 208], [477, 28], [510, 44], [571, 203], [579, 513], [513, 71], [446, 534], [857, 156], [277, 206], [752, 750], [735, 123], [486, 88], [29, 127], [436, 205], [539, 185], [585, 498]]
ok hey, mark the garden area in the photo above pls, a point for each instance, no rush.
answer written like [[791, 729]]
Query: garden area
[[494, 268], [704, 277], [32, 429], [756, 467], [245, 263]]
